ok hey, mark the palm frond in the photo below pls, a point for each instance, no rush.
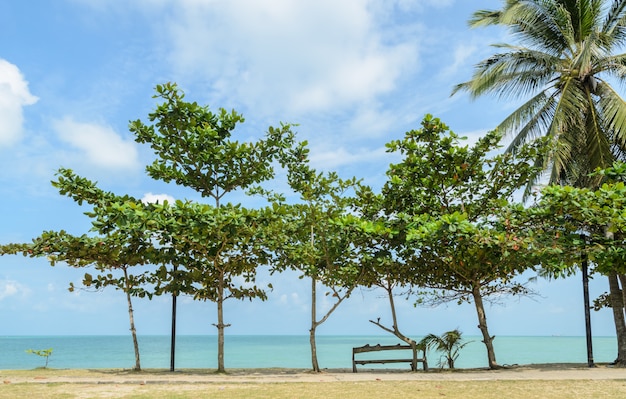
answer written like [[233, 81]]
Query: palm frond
[[615, 18], [529, 121], [511, 74], [613, 109], [563, 54]]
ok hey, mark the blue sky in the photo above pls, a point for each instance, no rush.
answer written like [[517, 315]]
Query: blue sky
[[354, 74]]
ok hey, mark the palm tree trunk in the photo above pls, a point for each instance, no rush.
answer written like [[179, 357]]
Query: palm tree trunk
[[482, 325], [131, 316], [617, 305]]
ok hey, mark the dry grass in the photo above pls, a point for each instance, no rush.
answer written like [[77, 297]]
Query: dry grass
[[205, 384], [362, 390]]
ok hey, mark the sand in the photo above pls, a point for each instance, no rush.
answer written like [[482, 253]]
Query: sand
[[526, 372]]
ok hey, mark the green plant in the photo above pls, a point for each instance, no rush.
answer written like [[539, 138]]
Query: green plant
[[45, 353], [450, 343]]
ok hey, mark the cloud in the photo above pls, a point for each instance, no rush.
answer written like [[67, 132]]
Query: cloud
[[10, 288], [461, 59], [101, 145], [149, 198], [14, 95], [295, 55], [421, 5], [330, 159]]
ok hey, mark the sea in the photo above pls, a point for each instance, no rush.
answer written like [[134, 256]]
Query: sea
[[278, 351]]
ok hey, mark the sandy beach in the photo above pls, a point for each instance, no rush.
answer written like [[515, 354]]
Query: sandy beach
[[119, 376], [545, 381]]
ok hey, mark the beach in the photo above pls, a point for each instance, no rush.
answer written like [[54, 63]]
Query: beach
[[552, 371], [520, 382]]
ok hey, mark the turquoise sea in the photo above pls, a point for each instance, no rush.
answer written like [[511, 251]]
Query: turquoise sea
[[252, 351]]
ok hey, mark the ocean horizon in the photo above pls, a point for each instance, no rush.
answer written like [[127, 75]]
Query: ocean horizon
[[279, 351]]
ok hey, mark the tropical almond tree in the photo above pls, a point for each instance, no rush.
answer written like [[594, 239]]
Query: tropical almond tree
[[446, 206], [310, 238], [113, 253], [219, 245]]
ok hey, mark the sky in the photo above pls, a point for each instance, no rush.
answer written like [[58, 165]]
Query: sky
[[353, 74]]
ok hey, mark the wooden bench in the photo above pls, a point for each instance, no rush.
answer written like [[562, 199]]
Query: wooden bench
[[377, 348]]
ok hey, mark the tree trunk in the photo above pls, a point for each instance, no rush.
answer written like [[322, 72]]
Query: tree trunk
[[173, 335], [482, 325], [617, 305], [131, 316], [587, 307], [314, 363], [316, 323], [395, 330], [220, 327]]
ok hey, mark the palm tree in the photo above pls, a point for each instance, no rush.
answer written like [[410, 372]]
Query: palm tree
[[450, 343], [565, 62]]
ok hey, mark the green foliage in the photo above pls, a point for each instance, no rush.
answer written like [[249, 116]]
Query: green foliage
[[211, 245], [194, 147], [567, 221], [45, 353], [313, 237], [448, 203]]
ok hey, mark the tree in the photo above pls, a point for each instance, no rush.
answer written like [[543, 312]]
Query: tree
[[313, 241], [446, 204], [45, 353], [114, 250], [215, 246], [571, 225], [564, 62]]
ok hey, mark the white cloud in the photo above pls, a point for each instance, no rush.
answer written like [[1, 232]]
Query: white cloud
[[14, 95], [295, 55], [330, 159], [9, 288], [421, 5], [150, 198], [461, 59], [101, 145]]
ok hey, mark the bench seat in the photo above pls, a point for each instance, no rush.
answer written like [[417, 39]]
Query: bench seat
[[377, 348]]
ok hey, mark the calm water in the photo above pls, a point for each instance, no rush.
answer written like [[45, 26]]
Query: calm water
[[276, 351]]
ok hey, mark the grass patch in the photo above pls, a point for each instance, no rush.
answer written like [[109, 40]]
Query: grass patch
[[575, 389]]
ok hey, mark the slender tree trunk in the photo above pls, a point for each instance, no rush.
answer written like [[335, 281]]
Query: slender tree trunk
[[131, 316], [617, 305], [395, 330], [587, 306], [316, 323], [220, 330], [482, 325], [314, 363], [173, 335]]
